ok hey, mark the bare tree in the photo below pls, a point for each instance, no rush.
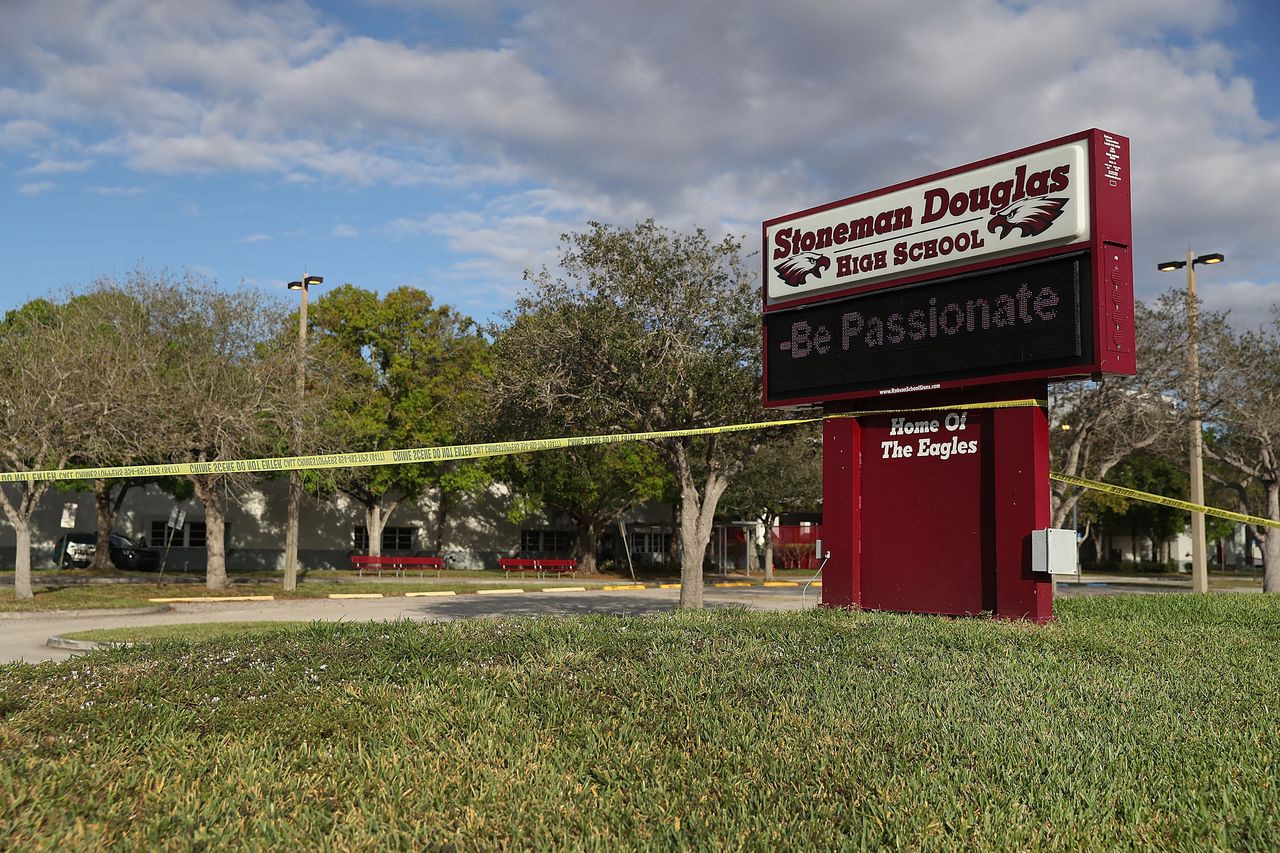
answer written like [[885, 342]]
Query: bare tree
[[226, 375], [1244, 427], [1099, 422], [48, 367], [114, 342]]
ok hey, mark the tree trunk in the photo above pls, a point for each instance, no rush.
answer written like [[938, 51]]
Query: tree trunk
[[106, 523], [294, 510], [374, 521], [588, 545], [215, 546], [442, 520], [697, 512], [1271, 540], [22, 559], [1062, 510], [19, 515], [768, 547]]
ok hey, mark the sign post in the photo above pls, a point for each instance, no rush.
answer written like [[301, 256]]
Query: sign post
[[942, 308]]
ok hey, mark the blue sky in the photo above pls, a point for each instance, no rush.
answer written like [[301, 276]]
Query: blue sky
[[448, 143]]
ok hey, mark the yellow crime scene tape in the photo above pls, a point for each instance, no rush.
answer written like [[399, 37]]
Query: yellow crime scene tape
[[434, 454], [507, 448], [1136, 495], [371, 458]]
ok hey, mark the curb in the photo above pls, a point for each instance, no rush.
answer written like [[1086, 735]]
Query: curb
[[67, 644], [190, 599], [76, 614]]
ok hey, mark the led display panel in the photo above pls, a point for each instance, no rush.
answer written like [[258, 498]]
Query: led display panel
[[1013, 321]]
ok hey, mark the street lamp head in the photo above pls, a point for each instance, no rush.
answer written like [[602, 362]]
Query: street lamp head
[[307, 281], [1167, 266], [1215, 258]]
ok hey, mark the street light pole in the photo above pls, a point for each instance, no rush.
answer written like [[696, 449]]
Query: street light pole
[[1199, 566], [295, 477]]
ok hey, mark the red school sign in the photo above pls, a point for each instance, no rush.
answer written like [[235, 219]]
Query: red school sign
[[1014, 267], [937, 301]]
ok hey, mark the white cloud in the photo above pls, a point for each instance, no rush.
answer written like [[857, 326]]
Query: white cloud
[[58, 167], [22, 134], [118, 192], [36, 187], [711, 114], [344, 230], [1247, 303], [255, 238]]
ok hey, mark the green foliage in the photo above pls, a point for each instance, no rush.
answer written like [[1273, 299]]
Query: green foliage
[[401, 372], [1148, 473], [592, 485], [784, 476], [1144, 723]]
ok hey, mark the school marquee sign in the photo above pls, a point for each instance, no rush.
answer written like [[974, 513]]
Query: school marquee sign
[[1015, 266]]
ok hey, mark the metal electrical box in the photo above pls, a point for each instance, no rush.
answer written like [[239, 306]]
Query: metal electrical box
[[1054, 551]]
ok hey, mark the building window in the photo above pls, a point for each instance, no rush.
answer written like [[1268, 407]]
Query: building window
[[191, 535], [547, 541], [393, 538], [160, 532], [650, 543]]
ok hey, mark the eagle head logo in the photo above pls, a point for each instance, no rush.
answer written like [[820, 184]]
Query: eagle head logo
[[1031, 216], [796, 269]]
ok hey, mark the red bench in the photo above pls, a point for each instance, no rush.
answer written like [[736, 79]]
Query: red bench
[[557, 567], [362, 564], [517, 564], [538, 566]]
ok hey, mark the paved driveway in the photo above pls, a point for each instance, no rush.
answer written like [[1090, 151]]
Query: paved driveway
[[24, 636]]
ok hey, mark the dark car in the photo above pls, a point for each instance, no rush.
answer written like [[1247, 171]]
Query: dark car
[[77, 549]]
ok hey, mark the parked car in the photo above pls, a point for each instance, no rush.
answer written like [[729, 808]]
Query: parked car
[[77, 550]]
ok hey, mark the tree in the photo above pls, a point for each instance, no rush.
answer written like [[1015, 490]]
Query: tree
[[592, 485], [643, 329], [784, 476], [1097, 423], [1156, 474], [404, 373], [1244, 426], [113, 334], [42, 412], [227, 387]]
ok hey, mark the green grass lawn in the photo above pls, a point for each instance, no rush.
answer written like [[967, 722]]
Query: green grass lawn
[[1145, 722]]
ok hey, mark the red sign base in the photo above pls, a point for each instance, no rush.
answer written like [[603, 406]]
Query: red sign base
[[932, 512]]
